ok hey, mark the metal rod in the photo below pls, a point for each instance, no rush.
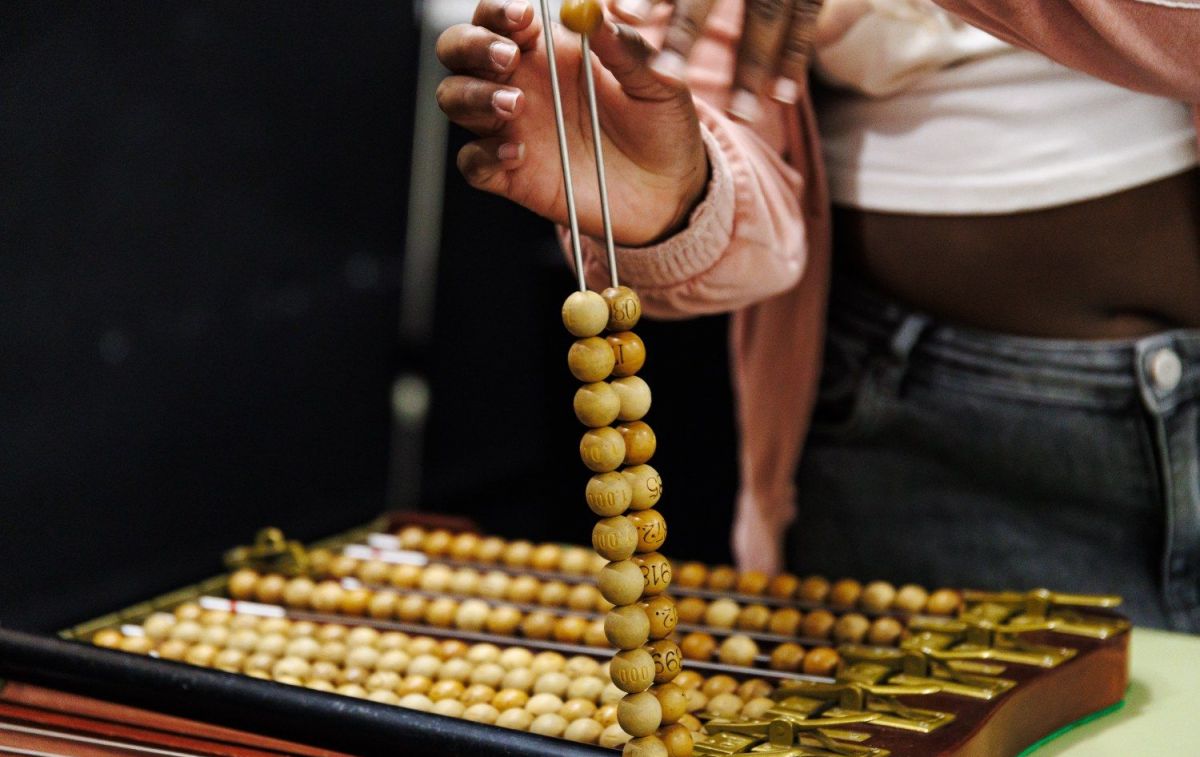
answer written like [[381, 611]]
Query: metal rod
[[601, 178], [561, 126]]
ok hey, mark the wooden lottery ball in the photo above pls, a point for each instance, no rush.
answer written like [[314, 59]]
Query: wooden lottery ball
[[615, 538], [647, 746], [584, 314], [583, 730], [624, 308], [414, 683], [691, 610], [382, 605], [845, 593], [754, 688], [753, 618], [613, 736], [581, 665], [404, 576], [418, 702], [489, 549], [242, 584], [298, 592], [463, 546], [821, 661], [158, 626], [575, 561], [691, 722], [548, 724], [481, 712], [672, 700], [188, 611], [269, 589], [574, 709], [640, 442], [910, 598], [656, 574], [678, 740], [201, 654], [726, 705], [449, 707], [719, 684], [519, 678], [455, 669], [721, 578], [553, 594], [591, 359], [488, 674], [597, 404], [411, 537], [545, 557], [437, 542], [629, 353], [517, 553], [524, 589], [494, 585], [691, 575], [663, 616], [668, 659], [606, 714], [603, 450], [372, 571], [585, 598], [877, 596], [634, 397], [354, 601], [783, 586], [752, 582], [515, 657], [464, 581], [587, 687], [756, 708], [785, 621], [698, 645], [851, 628], [436, 578], [109, 638], [651, 529], [515, 719], [814, 589], [411, 608], [583, 17], [645, 485], [884, 631], [722, 613], [137, 645], [738, 650], [538, 625], [632, 670], [541, 703], [818, 624], [440, 612], [570, 629], [639, 714], [627, 627], [943, 602], [342, 566], [327, 597], [471, 615], [450, 648], [506, 699], [621, 582]]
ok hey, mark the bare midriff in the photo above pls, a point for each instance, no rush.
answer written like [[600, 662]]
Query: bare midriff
[[1118, 266]]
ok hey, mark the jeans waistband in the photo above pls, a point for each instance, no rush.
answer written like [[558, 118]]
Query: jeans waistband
[[1162, 367]]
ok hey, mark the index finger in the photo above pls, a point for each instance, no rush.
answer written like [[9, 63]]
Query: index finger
[[686, 25], [797, 49]]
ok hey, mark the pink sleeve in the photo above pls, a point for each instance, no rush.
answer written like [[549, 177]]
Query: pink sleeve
[[1146, 45], [746, 240]]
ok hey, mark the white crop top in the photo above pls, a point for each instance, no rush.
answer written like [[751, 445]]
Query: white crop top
[[928, 115]]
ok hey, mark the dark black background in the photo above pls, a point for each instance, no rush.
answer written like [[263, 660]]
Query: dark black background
[[201, 231]]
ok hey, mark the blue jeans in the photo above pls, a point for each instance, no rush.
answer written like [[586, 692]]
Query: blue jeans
[[954, 457]]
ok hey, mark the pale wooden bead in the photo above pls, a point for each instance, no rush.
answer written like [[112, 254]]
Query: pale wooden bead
[[217, 636], [523, 589], [503, 620], [437, 542], [570, 629], [753, 618], [752, 582], [575, 561], [440, 612], [698, 645], [586, 687], [582, 17], [547, 662], [488, 674], [609, 493], [606, 714], [656, 573], [382, 679], [818, 624], [594, 636], [629, 353], [436, 578], [243, 639], [690, 574], [538, 625], [383, 605], [412, 701], [692, 610], [490, 549], [633, 394], [448, 689], [726, 705], [298, 592], [455, 669], [362, 657], [622, 582], [389, 640], [426, 665], [549, 724], [943, 602], [481, 712], [506, 699], [449, 707], [624, 308], [404, 576], [783, 586], [632, 670], [242, 584], [585, 598], [269, 589], [494, 585], [602, 450], [189, 611], [464, 581], [414, 684], [411, 608], [585, 313], [663, 615], [140, 644], [647, 746], [719, 684], [877, 596], [597, 404], [327, 597], [851, 628], [519, 678], [202, 654], [845, 593], [553, 594], [581, 665], [590, 359], [757, 707], [584, 731], [545, 557], [738, 650], [613, 736], [668, 660], [691, 722], [464, 545], [651, 529], [515, 719], [678, 740], [543, 703], [574, 709], [814, 589], [821, 661], [342, 566], [640, 442], [672, 700], [615, 538], [626, 627], [324, 671], [394, 660], [306, 648], [910, 598], [785, 621], [471, 615], [273, 644], [884, 631], [515, 657], [354, 601], [230, 660], [158, 626], [372, 571], [639, 714]]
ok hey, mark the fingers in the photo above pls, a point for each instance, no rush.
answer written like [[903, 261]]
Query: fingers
[[486, 163], [627, 55], [467, 49], [759, 50], [687, 22], [512, 18], [482, 106], [797, 49]]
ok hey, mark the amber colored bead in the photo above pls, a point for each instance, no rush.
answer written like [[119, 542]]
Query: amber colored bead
[[754, 688], [553, 594], [691, 575], [738, 650], [615, 538], [608, 494], [814, 589], [783, 586], [752, 582], [646, 486], [691, 610], [110, 638], [719, 684], [656, 571], [327, 597], [672, 700], [594, 636], [629, 353], [634, 396], [570, 629], [632, 670], [677, 739], [584, 314], [721, 578], [372, 571], [506, 699], [538, 625], [489, 549], [639, 714], [411, 537], [668, 660], [411, 608], [910, 598], [821, 661], [785, 621], [698, 646], [603, 450], [404, 576], [471, 615], [640, 442], [464, 545], [545, 557], [943, 602], [576, 561], [437, 542], [354, 601], [503, 620], [753, 618], [622, 582], [242, 583], [582, 17], [688, 679], [651, 529], [585, 598], [663, 615], [844, 593], [818, 624], [884, 631], [440, 612], [590, 359], [269, 589], [596, 404], [523, 589], [343, 566], [851, 628], [877, 596], [646, 746], [517, 553]]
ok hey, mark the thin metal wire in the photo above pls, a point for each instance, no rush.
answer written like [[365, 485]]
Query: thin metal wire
[[593, 111], [561, 125]]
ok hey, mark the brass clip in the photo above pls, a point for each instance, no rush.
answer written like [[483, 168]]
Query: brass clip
[[270, 552], [912, 668], [1044, 610]]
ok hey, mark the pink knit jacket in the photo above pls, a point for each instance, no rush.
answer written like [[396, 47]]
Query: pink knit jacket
[[759, 243]]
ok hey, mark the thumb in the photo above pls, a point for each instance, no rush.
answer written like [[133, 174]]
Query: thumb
[[627, 55]]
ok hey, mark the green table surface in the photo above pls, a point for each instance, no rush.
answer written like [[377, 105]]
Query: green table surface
[[1161, 715]]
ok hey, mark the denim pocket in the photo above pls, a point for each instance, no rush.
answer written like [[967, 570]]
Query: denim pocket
[[847, 404]]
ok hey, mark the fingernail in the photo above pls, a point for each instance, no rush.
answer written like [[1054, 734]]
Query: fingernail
[[670, 64], [744, 106], [503, 54], [505, 100], [514, 10], [786, 91], [511, 151], [637, 9]]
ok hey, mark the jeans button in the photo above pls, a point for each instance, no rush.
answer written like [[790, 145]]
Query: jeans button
[[1166, 370]]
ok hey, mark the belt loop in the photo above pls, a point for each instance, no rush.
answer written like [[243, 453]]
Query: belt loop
[[908, 333]]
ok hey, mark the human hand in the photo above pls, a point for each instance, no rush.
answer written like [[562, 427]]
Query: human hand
[[773, 54], [499, 88]]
